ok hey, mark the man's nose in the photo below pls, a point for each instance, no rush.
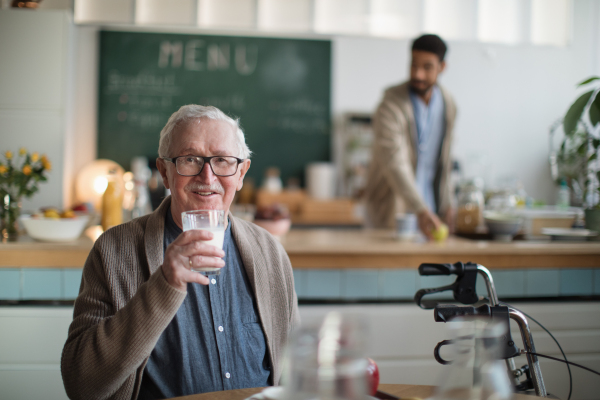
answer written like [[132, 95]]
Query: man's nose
[[206, 174], [418, 73]]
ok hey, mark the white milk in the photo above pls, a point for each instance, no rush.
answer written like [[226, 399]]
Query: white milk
[[217, 241]]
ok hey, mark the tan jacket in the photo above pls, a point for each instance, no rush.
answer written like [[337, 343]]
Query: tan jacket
[[125, 304], [391, 186]]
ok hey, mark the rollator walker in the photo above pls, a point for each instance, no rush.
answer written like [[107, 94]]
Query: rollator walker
[[464, 291]]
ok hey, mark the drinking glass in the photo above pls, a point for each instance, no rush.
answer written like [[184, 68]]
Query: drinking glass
[[327, 361], [206, 220]]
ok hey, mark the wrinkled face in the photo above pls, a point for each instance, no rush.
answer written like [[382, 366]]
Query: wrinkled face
[[424, 70], [206, 191]]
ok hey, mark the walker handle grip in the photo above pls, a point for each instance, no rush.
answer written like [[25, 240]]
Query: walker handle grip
[[442, 269]]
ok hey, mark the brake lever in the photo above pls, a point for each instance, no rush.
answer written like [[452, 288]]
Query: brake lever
[[463, 288], [429, 305]]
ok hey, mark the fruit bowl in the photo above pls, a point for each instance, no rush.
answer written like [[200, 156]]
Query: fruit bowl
[[53, 229], [277, 227]]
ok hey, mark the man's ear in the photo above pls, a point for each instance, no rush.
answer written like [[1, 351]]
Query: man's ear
[[162, 168], [442, 66], [244, 167]]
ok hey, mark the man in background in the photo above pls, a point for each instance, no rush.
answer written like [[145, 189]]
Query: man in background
[[410, 164]]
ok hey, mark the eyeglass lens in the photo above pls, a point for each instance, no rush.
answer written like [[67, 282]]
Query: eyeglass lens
[[221, 166]]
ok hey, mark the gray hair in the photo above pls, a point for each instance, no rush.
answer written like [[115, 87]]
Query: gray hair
[[192, 112]]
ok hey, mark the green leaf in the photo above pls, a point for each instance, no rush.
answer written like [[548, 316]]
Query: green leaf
[[593, 78], [595, 111], [574, 114], [593, 157]]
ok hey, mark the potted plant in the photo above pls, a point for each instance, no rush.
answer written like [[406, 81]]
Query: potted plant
[[581, 126], [19, 177]]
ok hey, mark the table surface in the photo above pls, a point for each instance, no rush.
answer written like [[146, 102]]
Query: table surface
[[350, 248], [398, 390]]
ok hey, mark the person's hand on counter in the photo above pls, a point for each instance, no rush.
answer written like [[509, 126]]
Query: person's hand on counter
[[428, 223], [450, 220]]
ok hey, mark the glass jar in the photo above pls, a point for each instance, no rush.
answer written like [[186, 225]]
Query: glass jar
[[469, 213]]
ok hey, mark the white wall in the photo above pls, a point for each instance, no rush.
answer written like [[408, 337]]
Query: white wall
[[507, 96], [33, 91]]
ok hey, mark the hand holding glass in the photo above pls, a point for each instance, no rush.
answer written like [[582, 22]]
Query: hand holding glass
[[206, 220]]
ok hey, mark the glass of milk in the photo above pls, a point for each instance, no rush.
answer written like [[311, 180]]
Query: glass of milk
[[207, 220]]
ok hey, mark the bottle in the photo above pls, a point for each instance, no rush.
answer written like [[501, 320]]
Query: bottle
[[112, 202], [563, 199], [272, 182], [469, 216]]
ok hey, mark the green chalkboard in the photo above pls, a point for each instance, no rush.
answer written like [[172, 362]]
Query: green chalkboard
[[279, 88]]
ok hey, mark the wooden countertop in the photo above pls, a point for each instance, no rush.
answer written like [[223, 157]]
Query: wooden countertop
[[328, 248], [350, 248]]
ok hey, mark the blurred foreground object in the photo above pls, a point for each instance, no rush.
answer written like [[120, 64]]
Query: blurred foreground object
[[327, 361], [475, 371]]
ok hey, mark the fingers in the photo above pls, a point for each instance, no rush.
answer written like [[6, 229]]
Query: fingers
[[428, 222], [190, 249], [195, 242], [197, 262]]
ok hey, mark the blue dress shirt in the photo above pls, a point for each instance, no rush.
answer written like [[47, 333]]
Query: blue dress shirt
[[430, 122]]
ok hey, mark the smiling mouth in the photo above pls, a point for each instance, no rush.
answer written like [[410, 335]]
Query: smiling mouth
[[205, 193]]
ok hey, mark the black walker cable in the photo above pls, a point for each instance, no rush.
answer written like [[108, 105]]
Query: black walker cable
[[555, 341], [563, 361]]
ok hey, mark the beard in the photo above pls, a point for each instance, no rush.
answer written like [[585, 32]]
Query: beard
[[422, 87]]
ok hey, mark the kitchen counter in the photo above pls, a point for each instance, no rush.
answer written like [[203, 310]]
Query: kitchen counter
[[348, 249], [380, 249]]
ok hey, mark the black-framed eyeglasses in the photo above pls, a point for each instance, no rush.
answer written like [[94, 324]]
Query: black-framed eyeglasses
[[193, 165]]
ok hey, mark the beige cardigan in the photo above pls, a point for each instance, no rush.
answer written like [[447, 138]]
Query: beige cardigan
[[125, 303], [391, 186]]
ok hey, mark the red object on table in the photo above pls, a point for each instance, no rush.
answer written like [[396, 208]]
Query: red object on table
[[372, 376]]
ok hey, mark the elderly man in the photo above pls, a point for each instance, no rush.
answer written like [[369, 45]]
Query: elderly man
[[413, 127], [145, 326]]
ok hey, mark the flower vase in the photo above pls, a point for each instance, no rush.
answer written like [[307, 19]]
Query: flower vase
[[11, 210]]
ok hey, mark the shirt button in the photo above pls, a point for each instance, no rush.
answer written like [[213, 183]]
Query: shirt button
[[227, 375], [213, 281], [221, 330]]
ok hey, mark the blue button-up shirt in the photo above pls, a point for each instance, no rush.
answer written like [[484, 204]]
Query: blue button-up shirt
[[215, 341], [430, 122]]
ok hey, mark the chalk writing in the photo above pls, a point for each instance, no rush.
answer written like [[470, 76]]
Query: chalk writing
[[198, 55]]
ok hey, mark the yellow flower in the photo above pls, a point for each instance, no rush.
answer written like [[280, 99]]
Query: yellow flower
[[27, 169], [35, 156], [3, 169], [22, 151], [46, 164], [8, 154]]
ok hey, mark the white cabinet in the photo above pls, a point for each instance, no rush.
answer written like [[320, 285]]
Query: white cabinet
[[31, 342]]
